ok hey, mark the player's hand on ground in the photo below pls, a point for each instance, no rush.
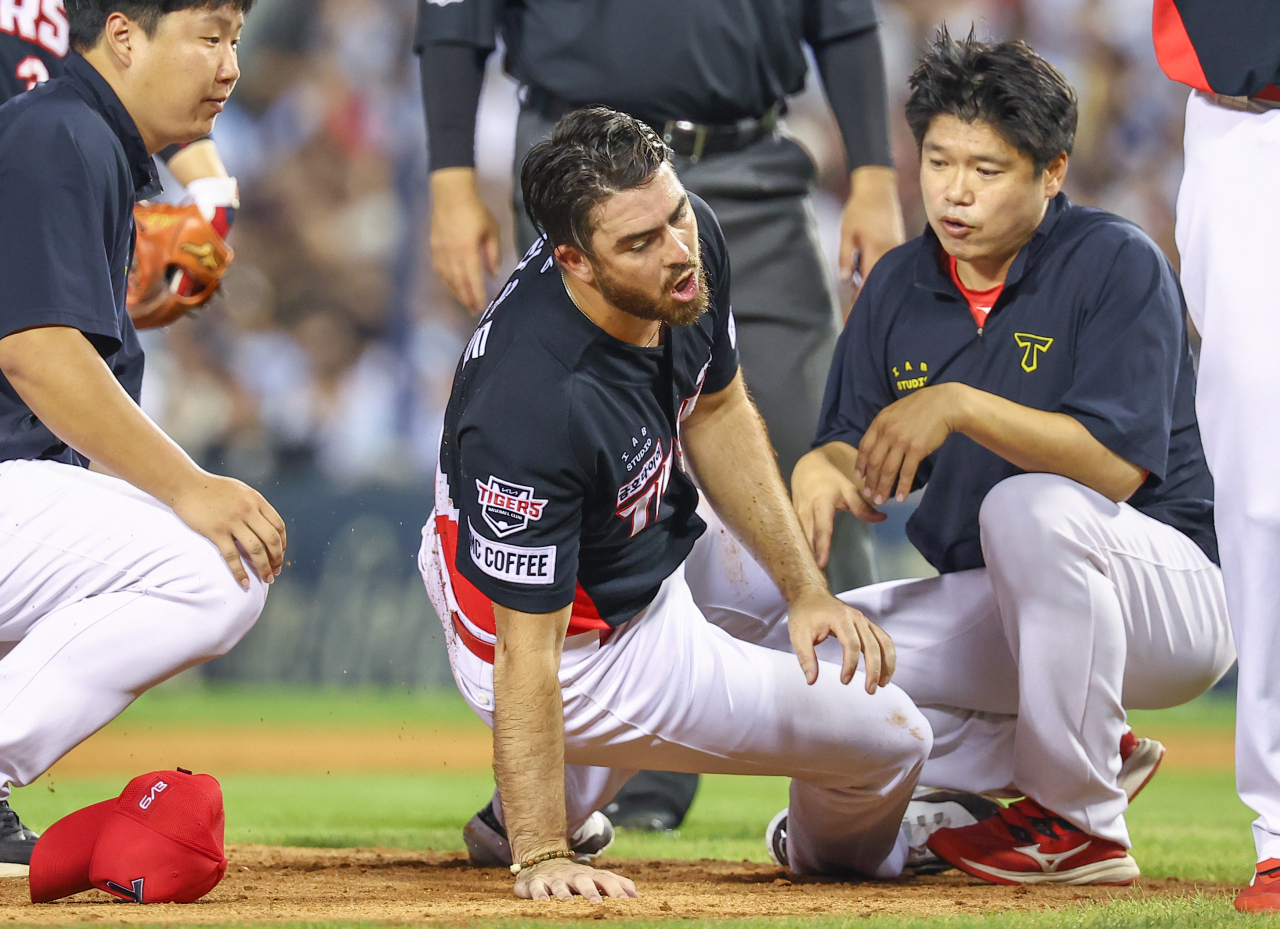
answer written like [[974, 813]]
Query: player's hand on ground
[[816, 616], [228, 513], [818, 489], [464, 236], [562, 879], [872, 221], [903, 435]]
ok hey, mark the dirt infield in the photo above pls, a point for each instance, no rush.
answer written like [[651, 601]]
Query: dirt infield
[[349, 749], [277, 750], [294, 884]]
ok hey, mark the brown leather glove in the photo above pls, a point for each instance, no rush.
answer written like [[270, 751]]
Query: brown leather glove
[[178, 262]]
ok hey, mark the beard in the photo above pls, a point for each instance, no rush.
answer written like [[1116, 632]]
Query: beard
[[660, 306]]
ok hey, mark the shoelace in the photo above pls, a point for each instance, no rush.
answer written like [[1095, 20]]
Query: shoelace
[[10, 825]]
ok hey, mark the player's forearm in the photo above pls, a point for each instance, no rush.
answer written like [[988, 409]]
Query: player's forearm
[[729, 448], [199, 159], [528, 730], [1052, 443], [70, 389]]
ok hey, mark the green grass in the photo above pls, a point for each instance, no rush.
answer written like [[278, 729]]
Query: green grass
[[1187, 824], [1195, 912]]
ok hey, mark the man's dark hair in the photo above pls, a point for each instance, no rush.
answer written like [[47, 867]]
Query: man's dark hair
[[88, 18], [593, 154], [1006, 85]]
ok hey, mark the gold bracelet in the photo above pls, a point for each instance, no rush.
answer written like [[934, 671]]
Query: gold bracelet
[[539, 859]]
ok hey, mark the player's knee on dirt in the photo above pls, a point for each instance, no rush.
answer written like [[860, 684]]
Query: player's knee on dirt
[[1026, 521]]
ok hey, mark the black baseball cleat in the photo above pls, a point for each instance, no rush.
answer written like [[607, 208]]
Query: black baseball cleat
[[487, 844], [928, 811], [653, 801], [16, 843]]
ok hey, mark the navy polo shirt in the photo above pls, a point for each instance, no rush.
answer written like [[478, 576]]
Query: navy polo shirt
[[72, 165], [1091, 323]]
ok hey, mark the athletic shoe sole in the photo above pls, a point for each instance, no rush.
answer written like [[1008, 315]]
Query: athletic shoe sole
[[9, 869], [1110, 872], [1140, 767], [777, 854]]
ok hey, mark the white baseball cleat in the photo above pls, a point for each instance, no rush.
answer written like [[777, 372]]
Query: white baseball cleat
[[931, 810], [487, 844], [928, 811]]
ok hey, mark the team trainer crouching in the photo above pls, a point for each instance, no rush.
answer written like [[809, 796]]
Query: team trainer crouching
[[564, 515], [118, 574], [1026, 362]]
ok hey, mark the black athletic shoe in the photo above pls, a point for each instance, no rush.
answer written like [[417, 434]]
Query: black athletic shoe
[[487, 844], [16, 843], [653, 801]]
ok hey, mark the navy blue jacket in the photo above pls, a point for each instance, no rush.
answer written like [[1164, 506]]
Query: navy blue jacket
[[72, 165], [1091, 323]]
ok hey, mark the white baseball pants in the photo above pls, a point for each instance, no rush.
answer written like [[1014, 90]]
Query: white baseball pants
[[104, 592], [1227, 235], [670, 691], [1024, 668]]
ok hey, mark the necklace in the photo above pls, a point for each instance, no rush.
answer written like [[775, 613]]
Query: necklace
[[572, 299]]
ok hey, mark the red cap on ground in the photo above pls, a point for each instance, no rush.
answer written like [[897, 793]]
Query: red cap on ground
[[160, 841]]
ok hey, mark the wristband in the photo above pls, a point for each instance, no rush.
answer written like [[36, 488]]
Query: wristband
[[218, 199], [539, 859]]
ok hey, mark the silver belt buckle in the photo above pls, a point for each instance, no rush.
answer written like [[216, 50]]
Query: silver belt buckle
[[683, 125]]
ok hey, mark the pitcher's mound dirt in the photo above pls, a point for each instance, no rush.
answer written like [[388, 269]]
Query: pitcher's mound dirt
[[265, 884]]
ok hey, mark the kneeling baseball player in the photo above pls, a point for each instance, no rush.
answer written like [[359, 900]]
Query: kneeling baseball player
[[599, 382], [121, 561], [1025, 361]]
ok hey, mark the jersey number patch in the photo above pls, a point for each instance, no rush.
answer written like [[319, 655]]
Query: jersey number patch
[[32, 70]]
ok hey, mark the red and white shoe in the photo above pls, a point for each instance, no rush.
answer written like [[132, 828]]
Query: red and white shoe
[[1027, 844], [1263, 893], [1139, 759]]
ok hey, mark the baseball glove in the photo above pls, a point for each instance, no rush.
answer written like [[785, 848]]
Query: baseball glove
[[178, 262]]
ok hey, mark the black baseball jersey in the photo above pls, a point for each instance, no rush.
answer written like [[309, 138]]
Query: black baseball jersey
[[72, 165], [1228, 47], [1090, 323], [34, 38], [561, 479]]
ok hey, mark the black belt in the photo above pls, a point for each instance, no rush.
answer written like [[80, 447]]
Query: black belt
[[686, 138]]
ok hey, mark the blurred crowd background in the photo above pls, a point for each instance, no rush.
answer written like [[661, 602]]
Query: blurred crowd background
[[321, 374]]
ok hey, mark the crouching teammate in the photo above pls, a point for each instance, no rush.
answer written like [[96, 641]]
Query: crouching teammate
[[604, 374], [121, 561], [1026, 362]]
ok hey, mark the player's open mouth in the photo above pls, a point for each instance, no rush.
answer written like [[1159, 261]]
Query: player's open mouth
[[686, 288], [955, 227]]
